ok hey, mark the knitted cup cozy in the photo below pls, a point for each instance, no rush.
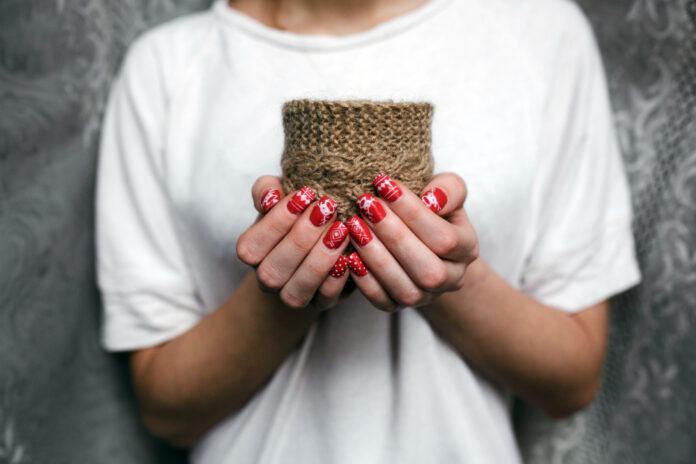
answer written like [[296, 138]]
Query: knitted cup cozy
[[338, 147]]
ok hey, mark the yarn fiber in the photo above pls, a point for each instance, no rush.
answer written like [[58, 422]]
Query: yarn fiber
[[338, 147]]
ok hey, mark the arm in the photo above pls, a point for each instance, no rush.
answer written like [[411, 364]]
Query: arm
[[545, 355], [430, 261], [188, 384], [198, 377]]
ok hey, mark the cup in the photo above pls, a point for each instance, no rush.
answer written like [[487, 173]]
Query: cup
[[338, 147]]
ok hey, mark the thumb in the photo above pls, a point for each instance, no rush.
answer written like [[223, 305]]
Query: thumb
[[266, 192], [444, 193]]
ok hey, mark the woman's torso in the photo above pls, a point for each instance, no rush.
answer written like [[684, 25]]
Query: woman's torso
[[364, 386]]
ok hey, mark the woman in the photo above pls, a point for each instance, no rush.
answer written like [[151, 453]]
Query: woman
[[503, 294]]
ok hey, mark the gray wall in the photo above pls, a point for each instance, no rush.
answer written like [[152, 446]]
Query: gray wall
[[645, 412], [62, 400]]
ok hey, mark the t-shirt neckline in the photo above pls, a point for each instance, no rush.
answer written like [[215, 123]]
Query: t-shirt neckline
[[326, 42]]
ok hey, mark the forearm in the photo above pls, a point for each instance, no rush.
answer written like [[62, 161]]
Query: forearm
[[190, 383], [545, 355]]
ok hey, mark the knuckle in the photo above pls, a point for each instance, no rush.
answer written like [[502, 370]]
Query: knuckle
[[460, 282], [375, 295], [434, 277], [380, 261], [315, 269], [301, 242], [269, 278], [292, 301], [245, 253], [471, 246], [447, 242], [276, 227], [462, 185], [325, 295], [399, 235], [328, 290], [410, 297], [412, 214], [473, 252]]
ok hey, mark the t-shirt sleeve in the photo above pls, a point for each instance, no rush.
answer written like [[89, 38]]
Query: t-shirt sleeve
[[148, 295], [581, 251]]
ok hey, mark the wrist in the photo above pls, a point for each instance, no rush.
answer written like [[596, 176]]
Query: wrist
[[477, 276], [269, 306]]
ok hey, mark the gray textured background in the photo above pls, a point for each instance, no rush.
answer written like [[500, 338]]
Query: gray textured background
[[62, 400]]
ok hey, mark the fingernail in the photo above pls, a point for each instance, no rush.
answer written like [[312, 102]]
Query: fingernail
[[386, 187], [359, 231], [371, 208], [340, 267], [301, 200], [323, 211], [269, 199], [435, 199], [356, 265], [336, 235]]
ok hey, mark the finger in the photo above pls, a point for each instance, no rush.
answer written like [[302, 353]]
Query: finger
[[453, 211], [300, 289], [439, 235], [423, 266], [370, 286], [469, 244], [384, 266], [259, 239], [331, 290], [266, 192], [281, 262], [444, 193]]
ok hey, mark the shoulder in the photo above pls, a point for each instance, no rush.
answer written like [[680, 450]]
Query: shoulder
[[543, 33], [557, 26], [167, 49], [549, 17]]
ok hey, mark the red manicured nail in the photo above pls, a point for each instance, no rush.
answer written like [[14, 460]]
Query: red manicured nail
[[435, 199], [301, 200], [371, 208], [336, 235], [340, 267], [356, 265], [386, 187], [359, 231], [323, 211], [269, 199]]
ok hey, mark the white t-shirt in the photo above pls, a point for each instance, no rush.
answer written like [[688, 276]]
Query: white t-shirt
[[521, 113]]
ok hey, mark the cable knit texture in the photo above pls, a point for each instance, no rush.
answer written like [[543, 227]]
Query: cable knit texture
[[338, 147]]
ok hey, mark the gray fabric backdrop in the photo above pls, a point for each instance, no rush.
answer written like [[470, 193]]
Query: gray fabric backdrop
[[62, 400]]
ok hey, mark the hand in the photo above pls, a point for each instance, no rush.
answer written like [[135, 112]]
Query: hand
[[295, 247], [414, 247]]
